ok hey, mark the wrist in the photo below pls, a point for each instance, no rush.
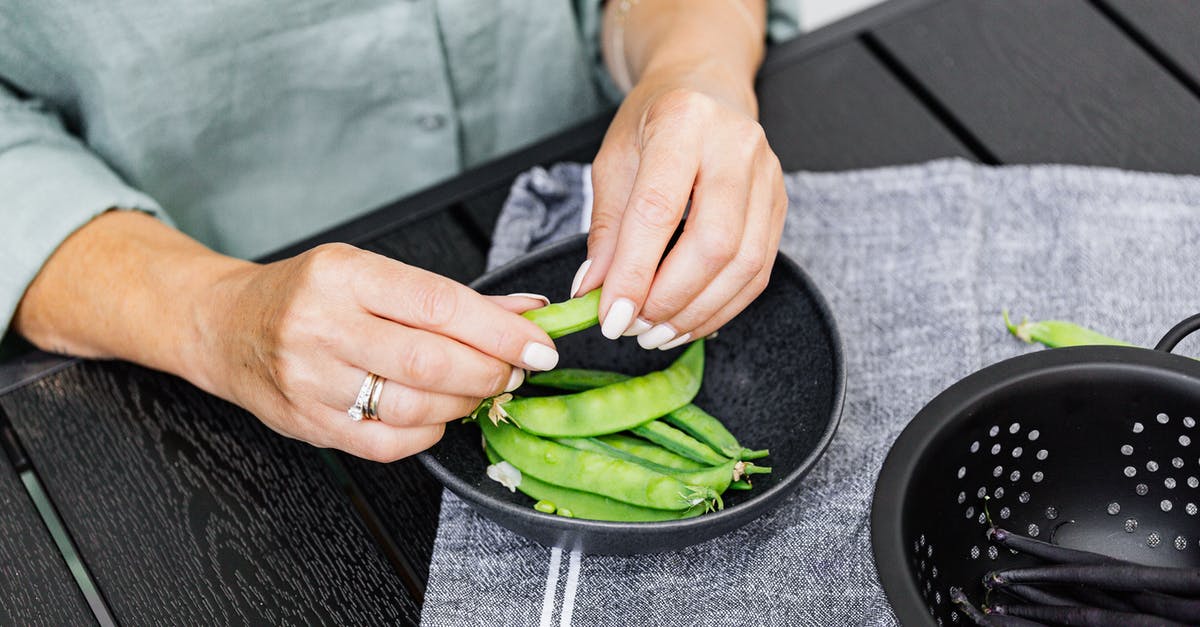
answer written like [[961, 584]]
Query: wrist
[[213, 288], [729, 84]]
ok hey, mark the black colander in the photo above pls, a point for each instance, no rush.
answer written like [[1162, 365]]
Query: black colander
[[1095, 448]]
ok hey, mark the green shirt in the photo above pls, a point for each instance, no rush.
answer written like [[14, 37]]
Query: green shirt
[[254, 124]]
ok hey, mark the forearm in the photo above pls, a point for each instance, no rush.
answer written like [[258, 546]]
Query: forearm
[[126, 286], [714, 46]]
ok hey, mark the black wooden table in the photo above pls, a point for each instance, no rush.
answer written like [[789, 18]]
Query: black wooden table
[[129, 495]]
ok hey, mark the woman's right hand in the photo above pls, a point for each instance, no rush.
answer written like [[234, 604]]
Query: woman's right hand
[[293, 340]]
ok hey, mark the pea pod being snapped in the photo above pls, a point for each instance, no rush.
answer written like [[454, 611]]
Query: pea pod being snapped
[[691, 419], [559, 319], [611, 408], [590, 506], [566, 467]]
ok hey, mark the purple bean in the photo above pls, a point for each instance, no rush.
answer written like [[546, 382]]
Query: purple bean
[[1045, 550], [1175, 608], [1096, 597], [972, 612], [1121, 576], [1030, 594], [1088, 616]]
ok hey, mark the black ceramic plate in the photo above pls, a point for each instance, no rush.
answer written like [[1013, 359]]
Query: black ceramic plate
[[774, 376]]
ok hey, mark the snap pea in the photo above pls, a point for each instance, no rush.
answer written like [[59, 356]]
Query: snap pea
[[615, 407], [578, 504], [559, 319], [741, 484], [650, 452], [717, 478], [691, 419], [593, 472], [677, 441], [1058, 333]]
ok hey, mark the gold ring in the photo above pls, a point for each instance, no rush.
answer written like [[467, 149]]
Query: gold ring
[[372, 408], [364, 397]]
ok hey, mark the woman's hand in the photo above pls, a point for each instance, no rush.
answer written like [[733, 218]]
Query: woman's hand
[[292, 342], [668, 145], [686, 132]]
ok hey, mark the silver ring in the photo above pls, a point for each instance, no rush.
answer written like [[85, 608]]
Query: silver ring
[[372, 408], [364, 396]]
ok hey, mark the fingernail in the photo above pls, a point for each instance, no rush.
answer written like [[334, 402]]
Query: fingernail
[[675, 342], [620, 315], [638, 327], [659, 335], [515, 379], [579, 274], [545, 301], [539, 356]]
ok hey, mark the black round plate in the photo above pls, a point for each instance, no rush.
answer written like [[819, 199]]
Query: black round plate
[[774, 376]]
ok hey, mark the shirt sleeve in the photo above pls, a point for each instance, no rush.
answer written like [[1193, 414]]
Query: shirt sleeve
[[50, 186]]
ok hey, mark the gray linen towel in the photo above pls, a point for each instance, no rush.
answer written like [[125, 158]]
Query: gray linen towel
[[917, 263]]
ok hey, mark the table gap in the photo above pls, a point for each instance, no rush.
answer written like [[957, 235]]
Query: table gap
[[1144, 42], [928, 99]]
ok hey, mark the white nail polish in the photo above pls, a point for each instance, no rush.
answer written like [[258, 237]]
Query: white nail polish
[[539, 356], [619, 317], [515, 379], [659, 335], [638, 327], [675, 342], [579, 274], [545, 301]]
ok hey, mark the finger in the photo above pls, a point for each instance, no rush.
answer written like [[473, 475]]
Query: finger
[[382, 442], [613, 173], [422, 360], [722, 204], [729, 293], [398, 404], [660, 193], [424, 300], [520, 302], [731, 309]]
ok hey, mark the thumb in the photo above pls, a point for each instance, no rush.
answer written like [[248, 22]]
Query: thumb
[[520, 302]]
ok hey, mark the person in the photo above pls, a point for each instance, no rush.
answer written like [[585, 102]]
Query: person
[[254, 124]]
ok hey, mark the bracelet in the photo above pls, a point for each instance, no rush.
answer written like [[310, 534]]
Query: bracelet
[[620, 69]]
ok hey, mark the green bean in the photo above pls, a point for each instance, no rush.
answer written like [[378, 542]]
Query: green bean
[[741, 484], [578, 504], [1058, 333], [691, 419], [567, 317], [677, 441], [650, 452], [615, 407], [564, 466]]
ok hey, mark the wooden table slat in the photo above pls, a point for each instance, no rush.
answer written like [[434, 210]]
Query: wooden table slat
[[35, 586], [840, 108], [1169, 27], [188, 510], [1055, 82]]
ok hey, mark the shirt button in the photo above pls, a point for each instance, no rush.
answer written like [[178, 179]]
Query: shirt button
[[431, 121]]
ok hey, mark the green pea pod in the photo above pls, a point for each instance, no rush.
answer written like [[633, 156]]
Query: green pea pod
[[615, 407], [559, 319], [716, 478], [566, 467], [1058, 333], [650, 452], [679, 442], [553, 498], [691, 419], [741, 484]]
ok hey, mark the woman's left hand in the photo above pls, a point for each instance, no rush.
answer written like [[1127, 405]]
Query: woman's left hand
[[670, 144]]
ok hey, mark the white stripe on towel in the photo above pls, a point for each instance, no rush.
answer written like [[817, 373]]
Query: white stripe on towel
[[551, 588], [568, 607]]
